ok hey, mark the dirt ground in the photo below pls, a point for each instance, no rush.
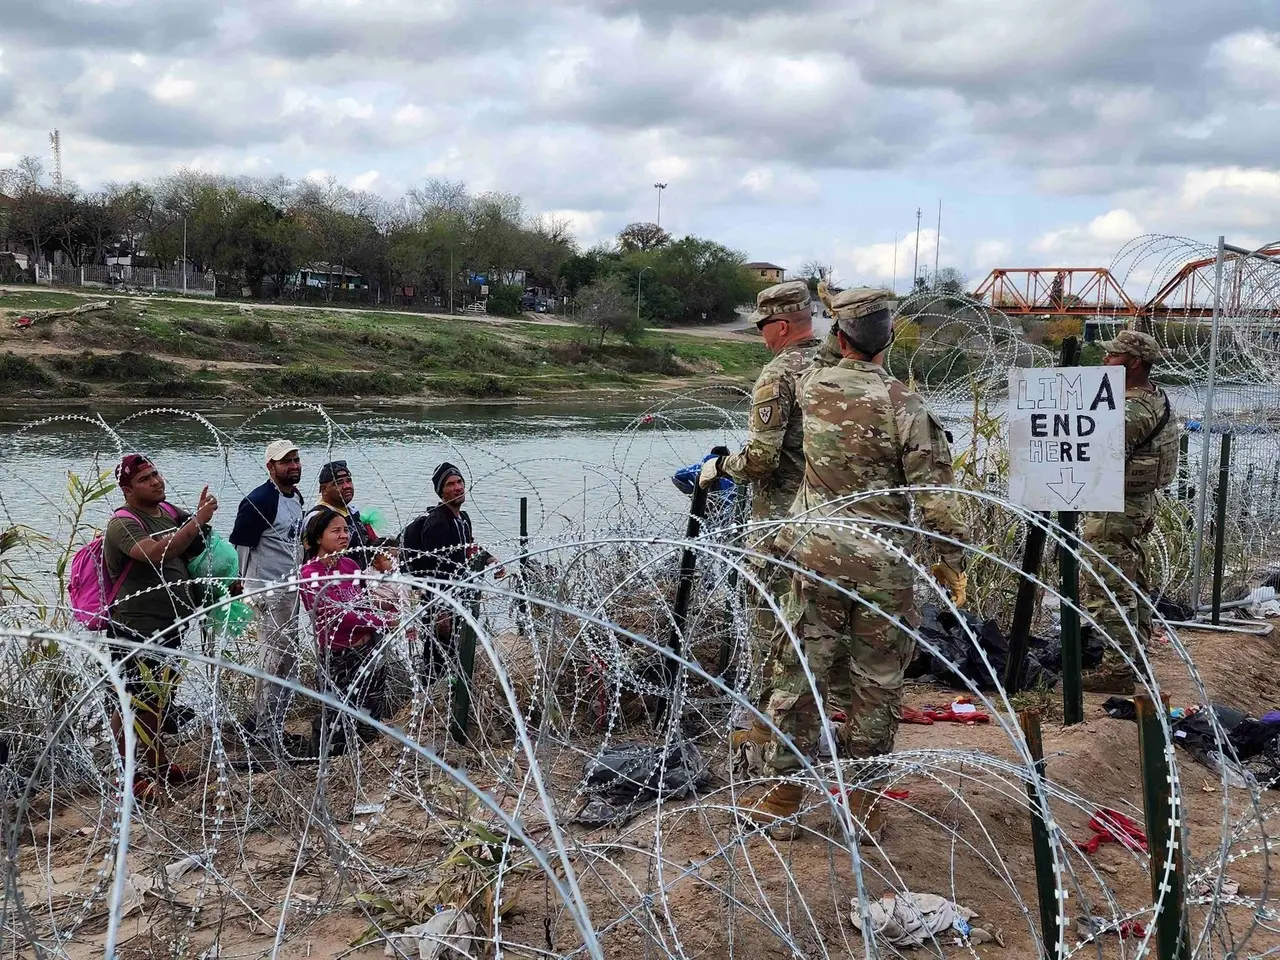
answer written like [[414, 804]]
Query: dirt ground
[[684, 880]]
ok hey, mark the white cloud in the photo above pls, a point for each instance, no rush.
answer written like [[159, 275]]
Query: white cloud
[[365, 181], [1092, 244], [171, 88]]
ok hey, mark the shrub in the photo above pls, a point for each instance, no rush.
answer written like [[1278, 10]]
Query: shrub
[[17, 372], [504, 300], [250, 331], [120, 367]]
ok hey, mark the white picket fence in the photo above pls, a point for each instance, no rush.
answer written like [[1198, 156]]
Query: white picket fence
[[128, 279]]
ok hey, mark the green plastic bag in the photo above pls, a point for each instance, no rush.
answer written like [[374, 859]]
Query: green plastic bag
[[218, 566]]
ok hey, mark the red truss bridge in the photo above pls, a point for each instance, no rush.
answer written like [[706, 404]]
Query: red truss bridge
[[1093, 291]]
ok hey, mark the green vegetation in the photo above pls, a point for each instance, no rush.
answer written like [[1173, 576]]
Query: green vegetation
[[155, 348], [19, 375]]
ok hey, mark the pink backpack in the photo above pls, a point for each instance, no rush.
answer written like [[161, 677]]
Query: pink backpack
[[91, 589]]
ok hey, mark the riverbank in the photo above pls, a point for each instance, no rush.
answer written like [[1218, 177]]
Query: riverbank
[[147, 349]]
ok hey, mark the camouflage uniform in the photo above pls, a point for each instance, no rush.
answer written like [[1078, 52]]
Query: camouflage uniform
[[772, 461], [1151, 460], [863, 431]]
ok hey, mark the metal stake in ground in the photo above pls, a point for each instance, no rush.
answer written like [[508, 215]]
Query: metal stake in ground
[[1163, 810], [684, 583], [1024, 605], [1220, 524], [524, 558], [1069, 577], [1048, 890]]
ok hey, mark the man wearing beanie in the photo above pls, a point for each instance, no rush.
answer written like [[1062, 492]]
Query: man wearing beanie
[[440, 545]]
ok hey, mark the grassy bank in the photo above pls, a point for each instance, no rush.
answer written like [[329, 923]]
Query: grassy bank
[[148, 348]]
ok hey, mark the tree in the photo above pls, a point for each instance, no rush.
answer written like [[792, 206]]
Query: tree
[[605, 307], [815, 271], [642, 236], [949, 282]]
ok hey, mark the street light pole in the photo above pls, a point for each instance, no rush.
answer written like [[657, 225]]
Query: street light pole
[[915, 267], [659, 187]]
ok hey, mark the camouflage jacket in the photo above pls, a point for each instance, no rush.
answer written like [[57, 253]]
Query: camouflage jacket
[[773, 459], [1150, 442], [865, 431]]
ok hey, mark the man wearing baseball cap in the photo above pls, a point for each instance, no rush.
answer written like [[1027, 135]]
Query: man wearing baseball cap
[[771, 461], [337, 490], [266, 535], [145, 550], [1150, 463]]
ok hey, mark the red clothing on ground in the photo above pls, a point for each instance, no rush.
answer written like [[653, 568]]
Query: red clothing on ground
[[341, 611]]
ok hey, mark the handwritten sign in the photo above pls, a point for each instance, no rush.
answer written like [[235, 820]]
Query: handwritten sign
[[1066, 438]]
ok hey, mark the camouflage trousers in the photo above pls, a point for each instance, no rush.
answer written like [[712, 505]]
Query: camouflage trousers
[[857, 658], [767, 635], [1120, 538]]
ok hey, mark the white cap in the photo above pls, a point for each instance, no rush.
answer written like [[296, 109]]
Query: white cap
[[279, 449]]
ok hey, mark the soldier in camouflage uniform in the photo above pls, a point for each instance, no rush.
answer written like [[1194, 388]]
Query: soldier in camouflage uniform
[[863, 431], [772, 461], [1151, 460]]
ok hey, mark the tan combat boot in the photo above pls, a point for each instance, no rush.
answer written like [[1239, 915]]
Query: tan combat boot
[[868, 815], [746, 750], [1115, 678], [776, 809]]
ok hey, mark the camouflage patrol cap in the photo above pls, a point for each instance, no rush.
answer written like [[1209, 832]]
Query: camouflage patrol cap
[[786, 297], [1135, 344], [859, 302]]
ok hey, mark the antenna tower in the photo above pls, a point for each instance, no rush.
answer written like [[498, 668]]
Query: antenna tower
[[55, 141]]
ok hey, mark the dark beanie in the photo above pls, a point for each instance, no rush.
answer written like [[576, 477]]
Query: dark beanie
[[442, 475]]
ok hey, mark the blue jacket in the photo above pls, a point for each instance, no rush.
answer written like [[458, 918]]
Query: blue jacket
[[256, 513]]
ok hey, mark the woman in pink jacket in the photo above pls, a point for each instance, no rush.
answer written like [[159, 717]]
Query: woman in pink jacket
[[347, 627]]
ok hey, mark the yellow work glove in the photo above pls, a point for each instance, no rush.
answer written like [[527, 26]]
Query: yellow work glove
[[956, 582], [709, 473]]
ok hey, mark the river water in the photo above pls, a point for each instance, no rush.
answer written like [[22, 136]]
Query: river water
[[583, 466]]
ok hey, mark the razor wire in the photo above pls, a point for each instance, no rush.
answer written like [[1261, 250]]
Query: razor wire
[[259, 854]]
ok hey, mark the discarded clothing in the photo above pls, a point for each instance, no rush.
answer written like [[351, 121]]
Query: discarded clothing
[[944, 631], [913, 919], [1256, 743], [450, 933], [1112, 826], [622, 778]]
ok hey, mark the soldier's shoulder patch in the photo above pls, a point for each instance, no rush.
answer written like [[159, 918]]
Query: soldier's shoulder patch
[[767, 414]]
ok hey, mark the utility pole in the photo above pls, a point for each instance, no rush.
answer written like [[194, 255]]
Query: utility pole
[[937, 244], [451, 282], [915, 267], [895, 263], [184, 254], [659, 187]]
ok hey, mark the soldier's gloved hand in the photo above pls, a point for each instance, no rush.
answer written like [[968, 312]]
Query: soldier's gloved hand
[[709, 473], [955, 581]]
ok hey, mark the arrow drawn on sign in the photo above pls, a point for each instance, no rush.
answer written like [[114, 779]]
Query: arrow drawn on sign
[[1066, 486]]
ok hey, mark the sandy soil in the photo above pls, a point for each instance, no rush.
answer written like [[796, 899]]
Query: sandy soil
[[684, 880]]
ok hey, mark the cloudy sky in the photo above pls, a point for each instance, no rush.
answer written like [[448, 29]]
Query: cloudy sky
[[1052, 130]]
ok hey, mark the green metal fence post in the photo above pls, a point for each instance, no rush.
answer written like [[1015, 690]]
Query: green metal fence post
[[1163, 813], [1047, 891]]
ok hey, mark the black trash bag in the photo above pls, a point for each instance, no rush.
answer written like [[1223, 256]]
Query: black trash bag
[[622, 778], [1246, 734], [1177, 612], [944, 631]]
